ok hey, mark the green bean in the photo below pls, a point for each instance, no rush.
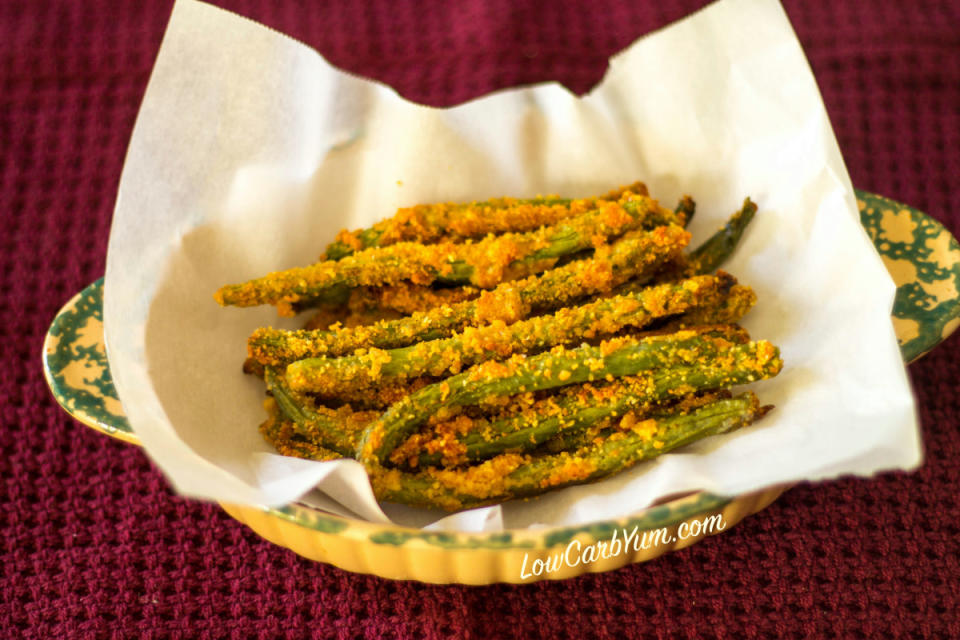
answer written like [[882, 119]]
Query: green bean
[[630, 256], [282, 434], [611, 450], [686, 207], [582, 409], [509, 476], [556, 368], [334, 430], [498, 340], [718, 247], [730, 310], [430, 223], [484, 263]]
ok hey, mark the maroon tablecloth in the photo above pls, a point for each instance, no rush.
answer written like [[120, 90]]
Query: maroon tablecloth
[[95, 544]]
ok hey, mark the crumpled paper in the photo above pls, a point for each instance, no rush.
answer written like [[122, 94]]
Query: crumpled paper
[[250, 151]]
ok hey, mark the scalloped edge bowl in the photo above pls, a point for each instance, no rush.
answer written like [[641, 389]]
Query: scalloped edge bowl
[[921, 255]]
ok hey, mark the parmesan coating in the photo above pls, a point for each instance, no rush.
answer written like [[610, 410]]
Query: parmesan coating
[[471, 353], [630, 257], [407, 298], [451, 222], [513, 475], [569, 412], [325, 319], [498, 340], [621, 356], [484, 263]]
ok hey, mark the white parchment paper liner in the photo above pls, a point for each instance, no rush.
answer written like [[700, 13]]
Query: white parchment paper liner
[[250, 152]]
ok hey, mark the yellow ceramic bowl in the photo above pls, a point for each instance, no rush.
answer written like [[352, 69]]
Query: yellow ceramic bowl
[[922, 257]]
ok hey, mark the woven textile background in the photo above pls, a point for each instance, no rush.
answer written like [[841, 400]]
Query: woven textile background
[[93, 542]]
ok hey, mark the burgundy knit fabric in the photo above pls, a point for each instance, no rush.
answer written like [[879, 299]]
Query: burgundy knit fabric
[[94, 543]]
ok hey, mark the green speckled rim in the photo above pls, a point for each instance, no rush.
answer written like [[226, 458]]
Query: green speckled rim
[[924, 260], [921, 255], [75, 365]]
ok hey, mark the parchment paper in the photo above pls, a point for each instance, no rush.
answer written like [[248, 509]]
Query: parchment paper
[[250, 152]]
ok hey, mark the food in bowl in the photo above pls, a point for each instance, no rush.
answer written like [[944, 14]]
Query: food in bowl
[[471, 353]]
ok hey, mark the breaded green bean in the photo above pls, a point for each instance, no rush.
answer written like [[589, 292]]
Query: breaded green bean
[[573, 439], [337, 430], [402, 297], [485, 263], [730, 310], [615, 448], [638, 252], [686, 207], [573, 412], [510, 475], [499, 340], [448, 221], [718, 247], [283, 435], [556, 368]]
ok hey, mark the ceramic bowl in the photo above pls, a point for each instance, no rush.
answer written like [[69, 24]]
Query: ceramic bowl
[[921, 255]]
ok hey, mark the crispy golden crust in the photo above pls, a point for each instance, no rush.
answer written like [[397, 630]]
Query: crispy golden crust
[[407, 298], [472, 353], [451, 222], [484, 263]]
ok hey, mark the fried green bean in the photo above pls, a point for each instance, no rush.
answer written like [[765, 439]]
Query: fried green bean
[[402, 297], [572, 412], [730, 310], [484, 263], [633, 255], [499, 340], [686, 207], [511, 475], [573, 439], [408, 298], [282, 434], [556, 368], [718, 247], [375, 398], [448, 221], [337, 430], [614, 448]]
